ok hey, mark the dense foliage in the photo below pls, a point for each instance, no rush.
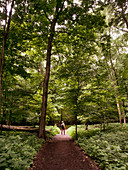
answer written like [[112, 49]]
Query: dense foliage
[[18, 149], [109, 148], [52, 131], [88, 61], [82, 47]]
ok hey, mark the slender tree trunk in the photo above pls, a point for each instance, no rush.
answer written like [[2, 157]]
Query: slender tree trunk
[[47, 74], [114, 81], [5, 35], [124, 116], [76, 126], [115, 84], [118, 104], [124, 17], [123, 67], [61, 114], [114, 78], [78, 88], [45, 89]]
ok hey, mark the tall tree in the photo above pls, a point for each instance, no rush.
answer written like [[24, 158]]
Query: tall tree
[[6, 27], [58, 9]]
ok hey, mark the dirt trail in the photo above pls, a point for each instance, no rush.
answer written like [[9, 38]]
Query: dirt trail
[[61, 153]]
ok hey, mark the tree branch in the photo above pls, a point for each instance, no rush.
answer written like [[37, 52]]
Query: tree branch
[[47, 16], [123, 15], [122, 30], [9, 20]]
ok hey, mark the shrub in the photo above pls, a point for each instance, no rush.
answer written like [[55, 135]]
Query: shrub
[[52, 131], [82, 132], [109, 149], [18, 150]]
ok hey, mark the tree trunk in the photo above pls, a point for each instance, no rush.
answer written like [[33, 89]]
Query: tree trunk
[[5, 35], [61, 115], [47, 74], [123, 68], [118, 104], [124, 117], [124, 17], [115, 84], [114, 81], [45, 89], [77, 108], [10, 115], [76, 126]]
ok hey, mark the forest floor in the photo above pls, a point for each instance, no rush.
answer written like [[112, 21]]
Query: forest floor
[[62, 153]]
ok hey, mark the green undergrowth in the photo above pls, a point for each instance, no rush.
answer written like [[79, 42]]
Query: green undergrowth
[[18, 149], [109, 148], [52, 131], [82, 132]]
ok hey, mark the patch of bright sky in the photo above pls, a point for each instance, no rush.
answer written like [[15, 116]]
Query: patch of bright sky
[[8, 11], [78, 2], [116, 35]]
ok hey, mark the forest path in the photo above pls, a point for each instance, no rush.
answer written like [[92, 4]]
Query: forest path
[[62, 153]]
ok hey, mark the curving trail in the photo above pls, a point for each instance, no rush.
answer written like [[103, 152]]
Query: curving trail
[[61, 153]]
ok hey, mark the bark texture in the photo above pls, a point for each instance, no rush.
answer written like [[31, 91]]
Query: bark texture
[[47, 74]]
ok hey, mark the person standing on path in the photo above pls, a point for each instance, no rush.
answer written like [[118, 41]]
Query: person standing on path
[[62, 128]]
